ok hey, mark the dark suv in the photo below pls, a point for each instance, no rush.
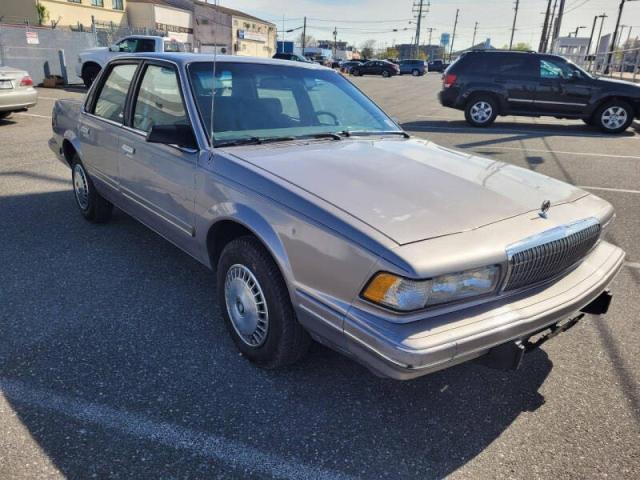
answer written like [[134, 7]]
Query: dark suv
[[486, 84]]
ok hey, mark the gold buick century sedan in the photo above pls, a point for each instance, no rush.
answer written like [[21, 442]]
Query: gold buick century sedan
[[324, 220]]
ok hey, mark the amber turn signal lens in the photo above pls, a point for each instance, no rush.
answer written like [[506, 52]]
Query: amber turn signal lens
[[379, 286]]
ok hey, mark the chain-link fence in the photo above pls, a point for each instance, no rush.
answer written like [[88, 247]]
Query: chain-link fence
[[45, 51]]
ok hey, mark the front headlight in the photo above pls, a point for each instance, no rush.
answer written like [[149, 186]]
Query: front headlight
[[406, 295]]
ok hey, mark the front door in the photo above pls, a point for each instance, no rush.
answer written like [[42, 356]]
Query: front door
[[562, 88], [99, 126], [158, 179]]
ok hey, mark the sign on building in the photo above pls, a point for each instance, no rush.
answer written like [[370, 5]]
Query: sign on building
[[255, 36]]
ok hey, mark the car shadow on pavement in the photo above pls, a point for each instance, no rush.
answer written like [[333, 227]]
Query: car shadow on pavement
[[520, 131], [116, 317]]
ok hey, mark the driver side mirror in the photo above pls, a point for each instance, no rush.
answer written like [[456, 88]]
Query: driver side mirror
[[180, 135], [114, 48]]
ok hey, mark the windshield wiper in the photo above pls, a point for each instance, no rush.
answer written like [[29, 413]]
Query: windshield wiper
[[363, 133], [333, 135], [250, 141]]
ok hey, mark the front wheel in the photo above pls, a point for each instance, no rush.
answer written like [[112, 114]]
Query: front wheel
[[89, 74], [91, 204], [614, 116], [256, 305], [481, 111]]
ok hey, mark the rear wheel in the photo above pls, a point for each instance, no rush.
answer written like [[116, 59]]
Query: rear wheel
[[386, 74], [256, 305], [89, 74], [415, 72], [614, 116], [91, 204], [481, 111]]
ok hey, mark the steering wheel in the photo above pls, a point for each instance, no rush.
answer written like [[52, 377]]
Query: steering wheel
[[320, 113]]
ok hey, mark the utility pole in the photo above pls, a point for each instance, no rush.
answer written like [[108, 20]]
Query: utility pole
[[431, 29], [615, 37], [475, 29], [593, 30], [558, 24], [418, 24], [545, 27], [552, 23], [602, 17], [304, 35], [453, 37], [335, 41], [513, 28]]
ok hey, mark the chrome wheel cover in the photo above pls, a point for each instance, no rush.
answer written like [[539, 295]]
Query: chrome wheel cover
[[481, 112], [614, 117], [80, 186], [246, 305]]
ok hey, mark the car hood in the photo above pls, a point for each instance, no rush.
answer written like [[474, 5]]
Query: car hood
[[409, 190], [617, 82]]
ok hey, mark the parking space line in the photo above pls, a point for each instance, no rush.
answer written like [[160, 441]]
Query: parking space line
[[562, 152], [213, 447], [33, 115], [609, 189]]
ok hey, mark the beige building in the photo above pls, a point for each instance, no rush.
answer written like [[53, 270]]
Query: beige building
[[65, 13], [160, 15], [229, 31]]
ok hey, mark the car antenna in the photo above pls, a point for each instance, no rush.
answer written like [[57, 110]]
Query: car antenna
[[213, 80]]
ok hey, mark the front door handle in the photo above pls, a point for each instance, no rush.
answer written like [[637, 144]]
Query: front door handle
[[128, 150], [84, 130]]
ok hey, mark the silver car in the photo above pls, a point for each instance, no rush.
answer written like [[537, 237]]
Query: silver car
[[324, 220], [16, 91]]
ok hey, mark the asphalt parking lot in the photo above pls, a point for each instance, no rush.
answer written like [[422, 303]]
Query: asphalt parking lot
[[115, 363]]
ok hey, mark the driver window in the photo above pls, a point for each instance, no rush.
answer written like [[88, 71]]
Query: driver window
[[551, 69]]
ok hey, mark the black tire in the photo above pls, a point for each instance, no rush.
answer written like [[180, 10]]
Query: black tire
[[599, 118], [386, 74], [415, 72], [480, 102], [286, 341], [89, 74], [91, 204], [4, 115]]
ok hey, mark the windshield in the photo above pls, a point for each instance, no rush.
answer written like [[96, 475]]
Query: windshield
[[262, 101]]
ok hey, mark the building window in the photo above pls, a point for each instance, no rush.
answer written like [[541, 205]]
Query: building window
[[74, 1], [117, 5], [97, 3]]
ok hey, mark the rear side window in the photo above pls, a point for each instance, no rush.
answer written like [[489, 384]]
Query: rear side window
[[159, 101], [522, 65], [112, 96]]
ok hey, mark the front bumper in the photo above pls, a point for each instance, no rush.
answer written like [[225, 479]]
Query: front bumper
[[405, 351], [17, 99]]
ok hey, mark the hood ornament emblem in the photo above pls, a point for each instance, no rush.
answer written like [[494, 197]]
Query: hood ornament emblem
[[544, 208]]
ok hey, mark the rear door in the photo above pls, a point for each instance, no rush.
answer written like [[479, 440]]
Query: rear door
[[561, 89], [516, 74], [158, 179], [100, 123]]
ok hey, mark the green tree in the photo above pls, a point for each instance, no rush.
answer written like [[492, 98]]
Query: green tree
[[522, 46], [43, 14], [367, 48], [390, 52]]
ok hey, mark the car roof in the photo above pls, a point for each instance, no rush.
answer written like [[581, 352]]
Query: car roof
[[182, 59]]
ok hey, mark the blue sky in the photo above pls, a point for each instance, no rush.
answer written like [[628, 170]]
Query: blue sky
[[359, 20]]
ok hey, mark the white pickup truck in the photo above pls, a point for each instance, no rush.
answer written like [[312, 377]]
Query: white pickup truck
[[91, 61]]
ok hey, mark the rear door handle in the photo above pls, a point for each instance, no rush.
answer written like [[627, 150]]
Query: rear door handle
[[128, 150]]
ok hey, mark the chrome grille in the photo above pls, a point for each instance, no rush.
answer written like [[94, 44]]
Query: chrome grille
[[548, 254]]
